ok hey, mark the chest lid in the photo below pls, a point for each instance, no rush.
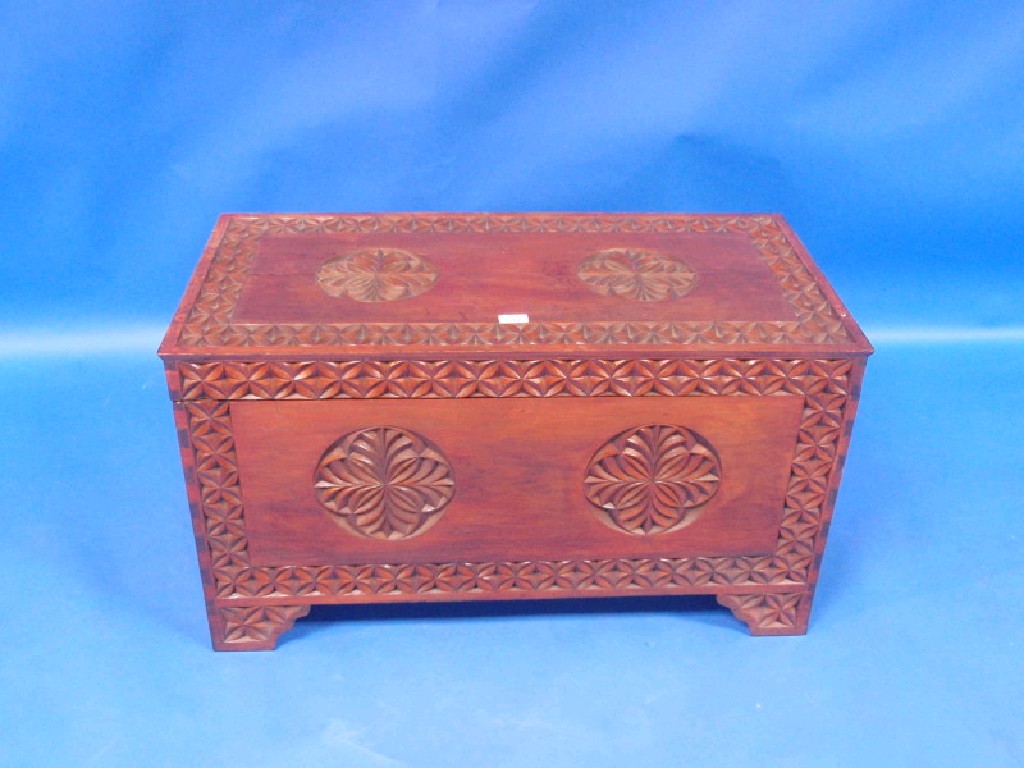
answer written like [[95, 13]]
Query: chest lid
[[391, 286]]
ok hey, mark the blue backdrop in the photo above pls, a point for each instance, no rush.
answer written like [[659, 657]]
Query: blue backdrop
[[889, 133]]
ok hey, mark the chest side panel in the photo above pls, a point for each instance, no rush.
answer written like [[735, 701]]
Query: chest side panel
[[703, 391], [519, 479]]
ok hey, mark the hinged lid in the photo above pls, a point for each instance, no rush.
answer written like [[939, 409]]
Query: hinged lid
[[391, 286]]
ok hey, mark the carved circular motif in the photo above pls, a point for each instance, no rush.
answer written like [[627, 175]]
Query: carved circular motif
[[376, 274], [652, 479], [636, 274], [384, 482]]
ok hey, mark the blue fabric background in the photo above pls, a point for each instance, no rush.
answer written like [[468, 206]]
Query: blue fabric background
[[889, 133]]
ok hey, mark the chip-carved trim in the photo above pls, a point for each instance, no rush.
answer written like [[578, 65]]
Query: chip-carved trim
[[306, 380], [822, 383], [773, 613], [208, 323], [254, 627]]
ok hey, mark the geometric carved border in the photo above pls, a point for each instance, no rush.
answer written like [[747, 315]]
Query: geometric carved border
[[505, 378], [209, 322], [822, 383], [778, 613], [256, 627]]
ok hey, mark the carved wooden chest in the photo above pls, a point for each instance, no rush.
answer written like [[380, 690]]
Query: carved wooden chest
[[461, 407]]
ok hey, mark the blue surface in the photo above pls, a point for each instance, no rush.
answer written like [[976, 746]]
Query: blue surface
[[890, 135]]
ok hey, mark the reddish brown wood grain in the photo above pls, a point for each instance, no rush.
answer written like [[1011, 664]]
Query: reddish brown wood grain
[[482, 275], [519, 471], [357, 426]]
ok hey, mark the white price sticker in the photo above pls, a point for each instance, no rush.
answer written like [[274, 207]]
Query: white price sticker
[[513, 319]]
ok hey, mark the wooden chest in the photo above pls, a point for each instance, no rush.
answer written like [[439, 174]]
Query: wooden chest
[[411, 407]]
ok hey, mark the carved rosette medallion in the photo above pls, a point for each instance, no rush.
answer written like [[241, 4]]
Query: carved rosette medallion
[[384, 482], [637, 274], [652, 479], [376, 274]]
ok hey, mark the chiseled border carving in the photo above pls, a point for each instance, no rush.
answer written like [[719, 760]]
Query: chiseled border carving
[[230, 380], [822, 383], [777, 613], [257, 627], [209, 321]]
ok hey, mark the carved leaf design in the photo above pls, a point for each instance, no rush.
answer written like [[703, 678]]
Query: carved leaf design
[[384, 483], [376, 274], [636, 274], [652, 479]]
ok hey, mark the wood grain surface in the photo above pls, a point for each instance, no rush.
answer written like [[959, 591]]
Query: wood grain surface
[[519, 468]]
